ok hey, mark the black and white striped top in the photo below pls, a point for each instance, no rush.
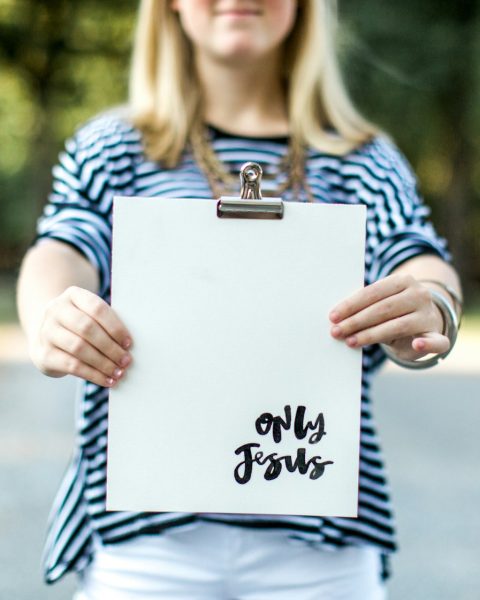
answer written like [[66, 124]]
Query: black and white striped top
[[105, 158]]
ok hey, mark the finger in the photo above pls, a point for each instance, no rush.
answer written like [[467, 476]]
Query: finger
[[75, 346], [59, 361], [395, 329], [431, 343], [103, 313], [394, 284], [385, 310], [88, 329]]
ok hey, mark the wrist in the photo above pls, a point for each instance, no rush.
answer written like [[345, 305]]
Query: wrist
[[439, 317], [449, 330], [450, 294]]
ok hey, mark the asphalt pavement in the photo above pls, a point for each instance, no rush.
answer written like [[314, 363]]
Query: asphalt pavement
[[430, 425]]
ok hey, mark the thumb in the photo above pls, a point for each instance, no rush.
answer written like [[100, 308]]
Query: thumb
[[430, 343]]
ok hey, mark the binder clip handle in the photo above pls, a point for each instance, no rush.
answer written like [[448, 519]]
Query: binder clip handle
[[250, 180], [250, 204]]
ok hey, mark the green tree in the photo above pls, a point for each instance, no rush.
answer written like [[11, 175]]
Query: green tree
[[414, 69], [60, 62]]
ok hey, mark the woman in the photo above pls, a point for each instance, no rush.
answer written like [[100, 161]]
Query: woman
[[216, 83]]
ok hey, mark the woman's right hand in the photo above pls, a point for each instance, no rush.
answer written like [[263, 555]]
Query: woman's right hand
[[81, 335]]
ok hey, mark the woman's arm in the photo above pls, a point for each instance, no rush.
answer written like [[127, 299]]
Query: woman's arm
[[70, 330], [398, 310]]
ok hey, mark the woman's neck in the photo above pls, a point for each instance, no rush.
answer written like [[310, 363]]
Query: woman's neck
[[247, 99]]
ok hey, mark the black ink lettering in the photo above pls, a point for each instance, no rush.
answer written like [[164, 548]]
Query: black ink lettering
[[274, 463], [320, 425], [259, 459], [274, 468], [264, 423], [267, 421], [301, 430], [247, 463], [299, 462], [319, 467]]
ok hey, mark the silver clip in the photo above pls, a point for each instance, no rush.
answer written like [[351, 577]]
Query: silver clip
[[250, 180], [250, 204]]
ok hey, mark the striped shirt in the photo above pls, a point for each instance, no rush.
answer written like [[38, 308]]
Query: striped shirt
[[106, 158]]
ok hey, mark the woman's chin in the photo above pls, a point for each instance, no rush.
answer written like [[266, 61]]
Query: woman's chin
[[239, 52]]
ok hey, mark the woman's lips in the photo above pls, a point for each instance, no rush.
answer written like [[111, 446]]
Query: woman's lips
[[238, 13]]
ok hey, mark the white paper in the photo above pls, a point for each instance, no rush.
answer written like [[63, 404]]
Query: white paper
[[230, 322]]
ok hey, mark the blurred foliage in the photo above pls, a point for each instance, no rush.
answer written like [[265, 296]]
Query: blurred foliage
[[61, 61], [8, 311], [412, 67]]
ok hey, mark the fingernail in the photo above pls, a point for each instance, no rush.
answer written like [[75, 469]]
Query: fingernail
[[117, 373], [352, 341], [109, 381], [127, 342], [420, 344], [336, 331], [334, 316], [124, 361]]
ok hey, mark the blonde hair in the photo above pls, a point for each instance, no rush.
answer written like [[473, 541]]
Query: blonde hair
[[165, 97]]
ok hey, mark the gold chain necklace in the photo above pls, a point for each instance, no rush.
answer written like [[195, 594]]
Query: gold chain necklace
[[223, 183]]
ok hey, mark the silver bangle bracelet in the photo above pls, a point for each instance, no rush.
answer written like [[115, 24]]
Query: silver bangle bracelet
[[450, 329], [454, 295]]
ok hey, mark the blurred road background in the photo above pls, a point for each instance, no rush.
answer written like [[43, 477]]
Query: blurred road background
[[430, 423]]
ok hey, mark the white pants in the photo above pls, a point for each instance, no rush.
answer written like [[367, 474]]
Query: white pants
[[215, 561]]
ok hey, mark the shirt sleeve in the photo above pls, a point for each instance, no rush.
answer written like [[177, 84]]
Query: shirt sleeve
[[78, 211], [398, 226]]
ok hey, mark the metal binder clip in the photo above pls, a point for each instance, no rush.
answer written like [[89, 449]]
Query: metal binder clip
[[250, 204], [250, 179]]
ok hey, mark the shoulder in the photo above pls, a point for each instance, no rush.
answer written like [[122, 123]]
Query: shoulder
[[99, 159], [378, 159], [375, 173], [381, 158], [108, 135]]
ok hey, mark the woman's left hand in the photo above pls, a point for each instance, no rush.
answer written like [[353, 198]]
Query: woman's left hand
[[397, 311]]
